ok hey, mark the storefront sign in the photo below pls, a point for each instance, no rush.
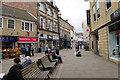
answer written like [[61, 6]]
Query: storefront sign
[[49, 37], [8, 39], [25, 39], [55, 37], [43, 36]]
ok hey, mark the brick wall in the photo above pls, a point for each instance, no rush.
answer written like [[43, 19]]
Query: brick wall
[[103, 43], [29, 6]]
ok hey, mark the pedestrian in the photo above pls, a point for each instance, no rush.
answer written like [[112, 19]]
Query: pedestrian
[[77, 47], [80, 45], [27, 62], [28, 50], [57, 49], [23, 47], [32, 49], [46, 49], [14, 72]]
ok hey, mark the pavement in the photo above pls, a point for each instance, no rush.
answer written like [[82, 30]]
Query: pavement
[[87, 66]]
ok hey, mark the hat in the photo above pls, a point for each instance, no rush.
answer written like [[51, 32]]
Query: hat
[[48, 49], [28, 57]]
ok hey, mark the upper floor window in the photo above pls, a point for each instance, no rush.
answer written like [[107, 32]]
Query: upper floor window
[[49, 11], [26, 26], [11, 24], [1, 22], [98, 9], [108, 4], [42, 7], [94, 16], [55, 27], [55, 15], [42, 22], [50, 25]]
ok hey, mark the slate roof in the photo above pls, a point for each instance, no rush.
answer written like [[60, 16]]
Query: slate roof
[[16, 13]]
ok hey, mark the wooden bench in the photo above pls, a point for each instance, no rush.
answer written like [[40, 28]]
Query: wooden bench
[[51, 58], [32, 72], [46, 64]]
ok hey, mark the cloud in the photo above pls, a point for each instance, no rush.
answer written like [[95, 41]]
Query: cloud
[[74, 11]]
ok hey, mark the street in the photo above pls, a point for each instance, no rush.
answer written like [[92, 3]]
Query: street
[[87, 66]]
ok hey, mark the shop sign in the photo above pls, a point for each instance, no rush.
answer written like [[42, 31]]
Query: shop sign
[[43, 36], [55, 37], [8, 39], [49, 37], [25, 39]]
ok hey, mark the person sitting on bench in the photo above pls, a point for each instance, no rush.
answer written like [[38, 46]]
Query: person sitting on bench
[[56, 57], [14, 71], [27, 62]]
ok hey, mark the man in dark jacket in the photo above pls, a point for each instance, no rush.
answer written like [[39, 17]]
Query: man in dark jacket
[[14, 72]]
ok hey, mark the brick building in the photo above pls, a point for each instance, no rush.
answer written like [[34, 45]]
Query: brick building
[[105, 28]]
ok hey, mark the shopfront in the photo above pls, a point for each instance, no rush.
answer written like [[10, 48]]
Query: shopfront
[[8, 42], [114, 36], [27, 41]]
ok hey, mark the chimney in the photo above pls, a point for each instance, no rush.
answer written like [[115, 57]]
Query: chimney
[[66, 20]]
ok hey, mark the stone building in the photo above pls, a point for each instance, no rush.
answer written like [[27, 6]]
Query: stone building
[[65, 37], [105, 28], [46, 14], [17, 28]]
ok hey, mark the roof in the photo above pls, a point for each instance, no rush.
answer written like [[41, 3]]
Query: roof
[[16, 13]]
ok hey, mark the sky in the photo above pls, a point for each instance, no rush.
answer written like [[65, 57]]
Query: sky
[[74, 11]]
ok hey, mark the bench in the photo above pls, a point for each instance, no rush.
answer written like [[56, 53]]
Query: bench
[[51, 58], [32, 72], [46, 64]]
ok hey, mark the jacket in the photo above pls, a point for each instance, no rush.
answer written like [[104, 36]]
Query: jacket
[[14, 73], [26, 63]]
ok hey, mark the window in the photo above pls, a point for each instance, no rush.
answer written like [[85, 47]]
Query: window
[[55, 27], [49, 12], [1, 21], [42, 22], [50, 25], [98, 9], [63, 33], [26, 26], [94, 16], [55, 15], [108, 4], [11, 24], [42, 7]]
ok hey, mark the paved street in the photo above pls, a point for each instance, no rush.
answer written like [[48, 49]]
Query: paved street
[[87, 66]]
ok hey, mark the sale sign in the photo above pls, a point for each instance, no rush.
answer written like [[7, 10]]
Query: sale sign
[[25, 39]]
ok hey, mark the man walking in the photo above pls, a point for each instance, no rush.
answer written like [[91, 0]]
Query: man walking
[[32, 49], [46, 48]]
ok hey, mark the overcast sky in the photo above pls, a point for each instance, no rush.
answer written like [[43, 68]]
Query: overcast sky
[[74, 11]]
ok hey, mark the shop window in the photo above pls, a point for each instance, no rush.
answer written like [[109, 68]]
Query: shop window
[[1, 22], [11, 24], [108, 4], [98, 9], [94, 16]]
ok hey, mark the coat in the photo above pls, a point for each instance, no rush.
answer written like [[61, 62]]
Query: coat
[[14, 73]]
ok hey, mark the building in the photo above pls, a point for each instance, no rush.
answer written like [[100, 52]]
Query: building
[[79, 37], [72, 31], [18, 28], [65, 38], [47, 20], [105, 30], [86, 31], [48, 25]]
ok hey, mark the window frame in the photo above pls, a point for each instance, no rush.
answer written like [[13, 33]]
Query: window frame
[[43, 8], [29, 25], [94, 15], [106, 1], [1, 22], [98, 8], [14, 23], [49, 12], [43, 26], [55, 14], [55, 27], [50, 24]]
